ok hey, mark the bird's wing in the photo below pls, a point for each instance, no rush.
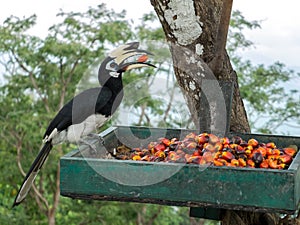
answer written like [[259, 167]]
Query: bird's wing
[[83, 105], [33, 171]]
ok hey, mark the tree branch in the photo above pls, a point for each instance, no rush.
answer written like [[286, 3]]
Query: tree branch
[[223, 27], [32, 79], [66, 82]]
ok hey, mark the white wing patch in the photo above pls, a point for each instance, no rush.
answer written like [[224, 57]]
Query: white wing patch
[[52, 135], [76, 132]]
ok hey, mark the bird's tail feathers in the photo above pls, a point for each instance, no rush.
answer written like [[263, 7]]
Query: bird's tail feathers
[[33, 171]]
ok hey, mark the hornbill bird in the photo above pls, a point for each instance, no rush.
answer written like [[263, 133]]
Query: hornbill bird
[[89, 110]]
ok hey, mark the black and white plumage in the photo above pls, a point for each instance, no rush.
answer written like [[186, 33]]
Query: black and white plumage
[[88, 110]]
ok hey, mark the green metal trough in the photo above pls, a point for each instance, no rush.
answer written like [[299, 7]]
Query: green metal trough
[[85, 176]]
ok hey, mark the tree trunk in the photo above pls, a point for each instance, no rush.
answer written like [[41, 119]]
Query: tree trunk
[[196, 31]]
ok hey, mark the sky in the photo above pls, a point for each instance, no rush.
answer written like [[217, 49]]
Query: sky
[[278, 40]]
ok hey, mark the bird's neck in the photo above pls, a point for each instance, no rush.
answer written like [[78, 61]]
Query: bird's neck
[[114, 84]]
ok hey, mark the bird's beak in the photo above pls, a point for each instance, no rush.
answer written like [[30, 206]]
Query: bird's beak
[[129, 57]]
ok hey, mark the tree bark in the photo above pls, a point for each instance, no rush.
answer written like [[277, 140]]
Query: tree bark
[[196, 31]]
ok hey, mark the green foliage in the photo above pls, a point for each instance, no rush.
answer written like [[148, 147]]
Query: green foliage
[[236, 38], [270, 103]]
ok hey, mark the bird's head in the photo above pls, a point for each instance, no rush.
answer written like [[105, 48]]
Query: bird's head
[[121, 59]]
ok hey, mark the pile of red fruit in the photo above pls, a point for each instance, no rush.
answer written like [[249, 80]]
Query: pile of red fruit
[[209, 149]]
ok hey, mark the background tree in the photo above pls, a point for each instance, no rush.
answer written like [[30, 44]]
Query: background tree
[[197, 34], [41, 74]]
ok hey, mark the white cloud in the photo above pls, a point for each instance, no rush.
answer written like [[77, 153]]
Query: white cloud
[[277, 40]]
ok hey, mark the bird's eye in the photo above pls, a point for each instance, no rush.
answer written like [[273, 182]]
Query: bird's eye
[[112, 65]]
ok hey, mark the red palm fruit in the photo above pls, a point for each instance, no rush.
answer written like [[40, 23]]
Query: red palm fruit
[[193, 159], [273, 157], [257, 158], [281, 166], [218, 146], [203, 138], [180, 153], [290, 151], [234, 162], [146, 158], [172, 156], [236, 140], [242, 162], [202, 161], [209, 147], [243, 156], [271, 145], [276, 151], [165, 141], [227, 156], [140, 153], [204, 145], [253, 142], [191, 135], [152, 144], [250, 163], [136, 157], [218, 155], [243, 144], [187, 156], [264, 164], [197, 138], [269, 151], [191, 145], [208, 156], [213, 138], [239, 149], [224, 161], [262, 150], [160, 154], [248, 149], [145, 151], [273, 164], [233, 146], [159, 147], [137, 149], [287, 159], [220, 162], [174, 141], [196, 153], [225, 141]]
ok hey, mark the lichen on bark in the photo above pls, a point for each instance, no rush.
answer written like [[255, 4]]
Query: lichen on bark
[[181, 18]]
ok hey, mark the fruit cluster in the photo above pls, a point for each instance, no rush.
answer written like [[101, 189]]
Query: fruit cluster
[[209, 149]]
